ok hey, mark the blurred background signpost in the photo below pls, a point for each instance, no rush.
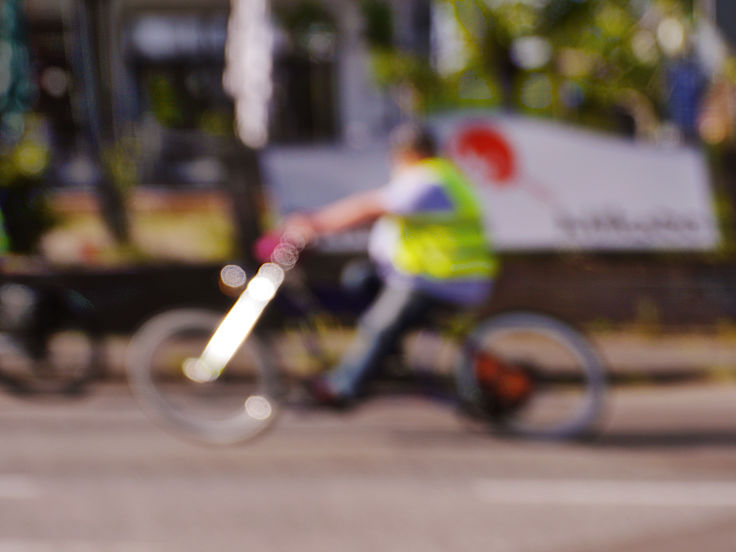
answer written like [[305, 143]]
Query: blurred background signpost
[[247, 78]]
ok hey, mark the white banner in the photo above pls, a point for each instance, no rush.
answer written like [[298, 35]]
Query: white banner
[[550, 186]]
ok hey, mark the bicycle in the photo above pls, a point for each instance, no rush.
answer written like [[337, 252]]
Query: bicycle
[[218, 380], [49, 344]]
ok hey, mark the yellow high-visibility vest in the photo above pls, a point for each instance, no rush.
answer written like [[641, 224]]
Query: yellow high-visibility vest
[[446, 245]]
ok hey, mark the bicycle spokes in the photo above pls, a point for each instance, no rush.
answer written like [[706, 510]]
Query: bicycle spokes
[[534, 375]]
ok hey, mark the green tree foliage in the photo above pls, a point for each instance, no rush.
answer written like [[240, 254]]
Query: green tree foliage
[[24, 152], [599, 63], [306, 24]]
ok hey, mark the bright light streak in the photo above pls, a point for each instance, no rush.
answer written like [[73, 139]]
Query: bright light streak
[[236, 326], [195, 370], [258, 408], [261, 289]]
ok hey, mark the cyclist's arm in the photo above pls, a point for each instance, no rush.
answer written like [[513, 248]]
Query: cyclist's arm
[[350, 212]]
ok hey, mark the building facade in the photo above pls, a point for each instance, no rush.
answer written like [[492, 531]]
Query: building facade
[[112, 69]]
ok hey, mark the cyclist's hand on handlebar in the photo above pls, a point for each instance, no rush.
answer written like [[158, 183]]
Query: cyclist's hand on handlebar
[[266, 245], [296, 233], [299, 229]]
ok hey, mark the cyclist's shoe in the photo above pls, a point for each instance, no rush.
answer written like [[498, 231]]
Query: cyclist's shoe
[[323, 395]]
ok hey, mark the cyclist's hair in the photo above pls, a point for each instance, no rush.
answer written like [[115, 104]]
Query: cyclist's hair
[[413, 137]]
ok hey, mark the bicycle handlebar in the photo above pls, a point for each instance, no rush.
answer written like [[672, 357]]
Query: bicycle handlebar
[[280, 248]]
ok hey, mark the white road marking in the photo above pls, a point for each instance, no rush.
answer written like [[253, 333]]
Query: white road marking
[[580, 492], [32, 545], [18, 487]]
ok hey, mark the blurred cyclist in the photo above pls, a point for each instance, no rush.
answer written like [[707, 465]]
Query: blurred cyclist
[[429, 246]]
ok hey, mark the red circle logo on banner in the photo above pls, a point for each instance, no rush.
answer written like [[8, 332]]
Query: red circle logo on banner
[[487, 151]]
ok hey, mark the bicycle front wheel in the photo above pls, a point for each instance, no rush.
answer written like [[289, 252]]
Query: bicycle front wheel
[[550, 382], [234, 407]]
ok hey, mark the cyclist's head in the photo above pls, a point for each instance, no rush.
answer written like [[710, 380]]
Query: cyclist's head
[[412, 142]]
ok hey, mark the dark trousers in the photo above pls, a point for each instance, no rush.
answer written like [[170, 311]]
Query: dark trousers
[[396, 310]]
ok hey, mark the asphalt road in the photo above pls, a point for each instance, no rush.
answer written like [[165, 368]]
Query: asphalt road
[[399, 474]]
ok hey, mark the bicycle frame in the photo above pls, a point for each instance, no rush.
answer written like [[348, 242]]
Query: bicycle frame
[[506, 375]]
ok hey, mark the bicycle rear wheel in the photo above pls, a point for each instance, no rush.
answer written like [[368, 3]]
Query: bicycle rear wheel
[[238, 405], [555, 372]]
